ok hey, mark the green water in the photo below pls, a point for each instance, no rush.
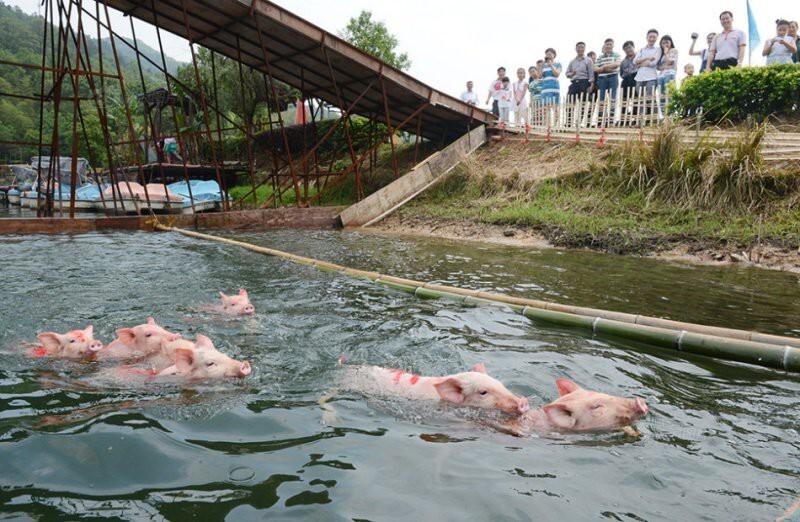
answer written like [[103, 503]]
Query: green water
[[720, 442]]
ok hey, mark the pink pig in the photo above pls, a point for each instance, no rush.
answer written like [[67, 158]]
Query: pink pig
[[139, 341], [237, 304], [203, 361], [474, 388], [578, 410], [76, 344]]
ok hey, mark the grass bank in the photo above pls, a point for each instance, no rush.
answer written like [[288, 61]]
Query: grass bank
[[629, 199]]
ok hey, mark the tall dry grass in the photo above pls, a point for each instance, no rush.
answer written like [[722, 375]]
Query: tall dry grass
[[699, 172]]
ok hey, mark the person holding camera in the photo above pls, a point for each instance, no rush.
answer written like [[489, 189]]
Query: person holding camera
[[551, 70], [704, 53], [727, 48], [781, 48]]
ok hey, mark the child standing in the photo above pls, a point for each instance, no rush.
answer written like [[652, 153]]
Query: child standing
[[520, 89], [505, 101], [535, 90], [781, 48]]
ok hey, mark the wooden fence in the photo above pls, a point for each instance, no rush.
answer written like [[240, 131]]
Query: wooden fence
[[633, 107], [633, 114]]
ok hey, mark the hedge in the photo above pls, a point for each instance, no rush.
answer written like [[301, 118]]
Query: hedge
[[740, 93]]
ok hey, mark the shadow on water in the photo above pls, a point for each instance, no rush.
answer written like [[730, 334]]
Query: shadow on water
[[721, 440]]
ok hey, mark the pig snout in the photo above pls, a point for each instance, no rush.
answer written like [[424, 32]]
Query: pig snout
[[514, 405], [95, 346], [248, 310], [245, 369]]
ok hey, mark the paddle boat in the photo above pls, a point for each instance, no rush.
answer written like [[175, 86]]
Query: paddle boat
[[206, 195], [26, 194], [131, 197]]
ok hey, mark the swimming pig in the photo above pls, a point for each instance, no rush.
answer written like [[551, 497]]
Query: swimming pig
[[236, 304], [576, 410], [139, 341], [473, 388], [75, 344], [201, 360]]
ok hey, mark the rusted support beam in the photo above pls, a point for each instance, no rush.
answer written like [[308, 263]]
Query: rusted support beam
[[340, 98], [128, 117], [389, 124], [247, 124], [361, 158], [57, 70], [298, 198]]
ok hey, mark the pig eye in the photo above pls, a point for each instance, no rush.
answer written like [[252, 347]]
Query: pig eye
[[483, 392], [71, 341], [210, 363], [595, 406]]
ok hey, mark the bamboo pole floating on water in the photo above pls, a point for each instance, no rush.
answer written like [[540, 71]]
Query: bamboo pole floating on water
[[773, 351]]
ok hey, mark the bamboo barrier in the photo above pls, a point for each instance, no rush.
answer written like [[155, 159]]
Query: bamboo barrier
[[632, 107], [772, 351]]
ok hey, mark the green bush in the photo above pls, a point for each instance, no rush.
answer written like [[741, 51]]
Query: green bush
[[738, 93]]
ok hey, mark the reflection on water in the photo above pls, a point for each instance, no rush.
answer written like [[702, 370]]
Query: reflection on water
[[721, 441]]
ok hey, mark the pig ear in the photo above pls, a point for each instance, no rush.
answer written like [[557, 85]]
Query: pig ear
[[50, 340], [480, 368], [126, 335], [151, 321], [223, 296], [566, 386], [184, 357], [559, 414], [243, 292], [89, 331], [203, 342], [450, 390]]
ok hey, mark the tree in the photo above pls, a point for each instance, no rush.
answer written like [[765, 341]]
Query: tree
[[374, 38]]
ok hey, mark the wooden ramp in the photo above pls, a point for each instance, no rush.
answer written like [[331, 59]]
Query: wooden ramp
[[380, 204]]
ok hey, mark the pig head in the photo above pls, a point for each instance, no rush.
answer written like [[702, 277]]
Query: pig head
[[579, 410], [204, 361], [142, 340], [76, 344], [237, 304]]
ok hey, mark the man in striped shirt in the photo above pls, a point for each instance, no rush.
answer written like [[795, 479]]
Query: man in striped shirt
[[606, 67]]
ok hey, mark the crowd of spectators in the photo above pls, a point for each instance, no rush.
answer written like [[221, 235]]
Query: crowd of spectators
[[654, 65]]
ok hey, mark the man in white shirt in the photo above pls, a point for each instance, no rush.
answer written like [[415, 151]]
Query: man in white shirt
[[727, 48], [494, 91], [469, 96], [646, 61]]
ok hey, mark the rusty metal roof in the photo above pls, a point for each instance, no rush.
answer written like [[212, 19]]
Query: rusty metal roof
[[275, 41]]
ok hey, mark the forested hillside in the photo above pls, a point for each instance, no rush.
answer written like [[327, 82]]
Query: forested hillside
[[21, 42], [242, 95]]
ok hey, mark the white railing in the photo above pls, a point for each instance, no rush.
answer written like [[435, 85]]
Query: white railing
[[633, 107]]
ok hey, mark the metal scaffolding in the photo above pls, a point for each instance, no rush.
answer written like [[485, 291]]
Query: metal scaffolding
[[293, 58]]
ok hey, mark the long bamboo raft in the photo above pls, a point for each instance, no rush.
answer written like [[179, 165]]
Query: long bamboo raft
[[772, 351]]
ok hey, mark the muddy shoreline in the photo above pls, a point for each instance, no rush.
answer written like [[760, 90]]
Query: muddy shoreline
[[687, 250]]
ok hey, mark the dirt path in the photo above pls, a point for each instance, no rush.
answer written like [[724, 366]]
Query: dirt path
[[764, 256]]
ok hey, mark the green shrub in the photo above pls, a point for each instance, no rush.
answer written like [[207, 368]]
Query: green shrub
[[740, 93]]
